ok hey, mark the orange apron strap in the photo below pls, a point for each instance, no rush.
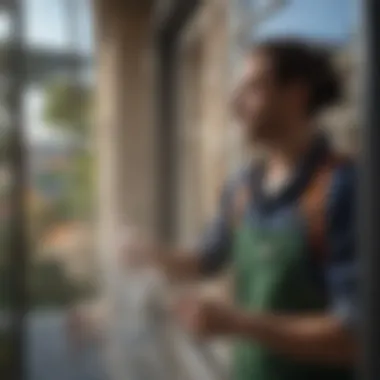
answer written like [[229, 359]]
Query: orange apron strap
[[314, 204]]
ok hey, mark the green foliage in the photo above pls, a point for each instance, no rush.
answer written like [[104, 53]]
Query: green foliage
[[5, 142], [50, 286], [5, 355], [80, 192], [4, 287], [67, 106]]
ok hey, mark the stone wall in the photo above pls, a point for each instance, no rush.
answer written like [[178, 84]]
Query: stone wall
[[203, 116]]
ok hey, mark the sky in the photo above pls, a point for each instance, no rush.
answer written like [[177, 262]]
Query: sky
[[48, 25], [331, 20]]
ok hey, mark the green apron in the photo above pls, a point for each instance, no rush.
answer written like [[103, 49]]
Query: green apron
[[273, 275]]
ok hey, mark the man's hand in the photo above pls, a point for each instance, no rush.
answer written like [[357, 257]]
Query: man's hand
[[138, 251], [319, 338], [205, 318]]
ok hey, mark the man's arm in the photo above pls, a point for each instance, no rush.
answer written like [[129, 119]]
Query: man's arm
[[319, 338], [180, 264], [210, 254]]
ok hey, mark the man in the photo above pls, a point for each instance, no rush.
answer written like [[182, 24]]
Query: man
[[286, 224]]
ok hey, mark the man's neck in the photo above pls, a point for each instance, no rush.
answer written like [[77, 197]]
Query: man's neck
[[281, 161], [287, 152]]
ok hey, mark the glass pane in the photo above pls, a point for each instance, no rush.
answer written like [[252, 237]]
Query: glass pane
[[68, 22], [42, 16]]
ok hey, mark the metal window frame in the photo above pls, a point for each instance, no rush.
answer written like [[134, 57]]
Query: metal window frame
[[18, 237], [369, 194]]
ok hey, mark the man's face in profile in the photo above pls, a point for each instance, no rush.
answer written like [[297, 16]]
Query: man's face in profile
[[262, 105]]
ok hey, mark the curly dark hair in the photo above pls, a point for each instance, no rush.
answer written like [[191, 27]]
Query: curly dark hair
[[296, 60]]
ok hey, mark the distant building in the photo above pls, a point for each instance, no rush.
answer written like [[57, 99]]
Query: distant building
[[49, 164]]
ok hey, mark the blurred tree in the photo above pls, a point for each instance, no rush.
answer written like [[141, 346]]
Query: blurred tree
[[4, 146], [50, 286], [68, 108], [5, 355], [80, 195]]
